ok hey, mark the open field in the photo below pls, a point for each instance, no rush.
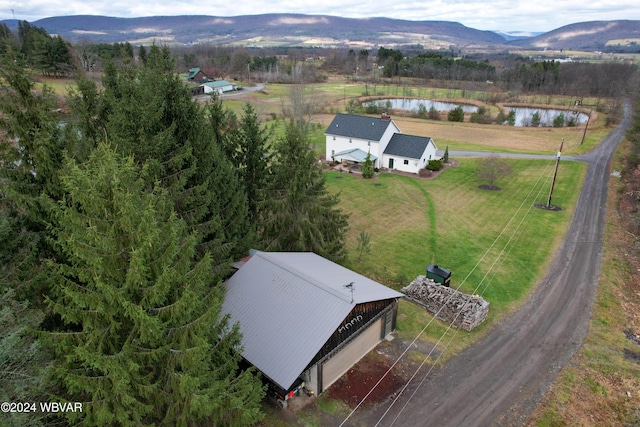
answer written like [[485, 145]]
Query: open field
[[496, 242], [331, 98]]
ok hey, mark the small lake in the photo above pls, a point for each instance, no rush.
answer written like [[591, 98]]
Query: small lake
[[414, 105], [524, 116]]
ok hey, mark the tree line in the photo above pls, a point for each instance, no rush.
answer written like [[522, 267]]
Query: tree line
[[120, 219]]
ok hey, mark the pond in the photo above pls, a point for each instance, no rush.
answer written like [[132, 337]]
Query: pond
[[525, 116], [414, 105], [546, 117]]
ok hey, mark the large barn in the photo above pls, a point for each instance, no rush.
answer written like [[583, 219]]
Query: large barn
[[303, 316]]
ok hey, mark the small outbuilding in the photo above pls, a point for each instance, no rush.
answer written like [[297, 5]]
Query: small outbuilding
[[219, 86], [304, 317], [439, 274]]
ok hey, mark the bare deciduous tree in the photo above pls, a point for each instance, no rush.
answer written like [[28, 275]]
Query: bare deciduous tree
[[301, 104], [491, 169]]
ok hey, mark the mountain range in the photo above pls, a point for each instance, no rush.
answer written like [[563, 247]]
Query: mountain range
[[271, 30]]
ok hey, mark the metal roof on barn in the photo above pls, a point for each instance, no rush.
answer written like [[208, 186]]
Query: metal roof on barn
[[360, 127], [288, 304], [407, 145], [218, 84]]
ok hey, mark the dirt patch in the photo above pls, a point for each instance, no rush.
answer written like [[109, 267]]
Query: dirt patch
[[354, 386], [489, 187]]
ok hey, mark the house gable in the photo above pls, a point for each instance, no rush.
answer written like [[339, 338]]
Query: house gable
[[368, 134], [409, 146], [359, 127]]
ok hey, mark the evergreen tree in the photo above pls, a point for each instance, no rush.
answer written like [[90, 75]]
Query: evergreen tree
[[178, 142], [7, 39], [445, 158], [251, 158], [144, 341], [31, 148], [32, 144], [535, 119], [456, 115], [367, 167], [298, 213], [23, 361], [142, 54]]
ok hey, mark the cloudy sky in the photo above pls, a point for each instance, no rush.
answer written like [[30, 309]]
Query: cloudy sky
[[501, 15]]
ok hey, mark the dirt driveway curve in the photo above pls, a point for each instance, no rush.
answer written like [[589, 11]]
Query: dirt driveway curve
[[500, 380]]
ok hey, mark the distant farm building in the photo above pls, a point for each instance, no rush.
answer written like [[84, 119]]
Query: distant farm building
[[219, 86], [196, 75]]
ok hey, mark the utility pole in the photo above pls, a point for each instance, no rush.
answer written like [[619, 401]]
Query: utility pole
[[578, 103], [555, 173]]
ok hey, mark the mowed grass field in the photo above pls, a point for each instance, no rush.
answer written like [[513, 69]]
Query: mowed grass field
[[497, 243]]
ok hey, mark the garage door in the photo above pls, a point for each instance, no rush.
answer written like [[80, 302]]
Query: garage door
[[333, 368]]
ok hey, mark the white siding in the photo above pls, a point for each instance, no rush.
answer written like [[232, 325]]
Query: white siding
[[384, 141], [412, 167], [398, 163], [342, 143]]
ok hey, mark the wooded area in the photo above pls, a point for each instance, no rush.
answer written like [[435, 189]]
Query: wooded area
[[121, 217]]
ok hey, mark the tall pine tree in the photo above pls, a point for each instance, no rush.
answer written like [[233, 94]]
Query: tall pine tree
[[146, 111], [249, 151], [298, 213], [144, 342]]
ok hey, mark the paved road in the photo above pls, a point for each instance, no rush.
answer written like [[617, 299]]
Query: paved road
[[507, 155], [500, 380]]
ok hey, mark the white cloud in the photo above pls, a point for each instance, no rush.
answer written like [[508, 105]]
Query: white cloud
[[530, 15]]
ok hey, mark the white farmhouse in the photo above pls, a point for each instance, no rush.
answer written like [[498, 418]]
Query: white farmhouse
[[349, 138]]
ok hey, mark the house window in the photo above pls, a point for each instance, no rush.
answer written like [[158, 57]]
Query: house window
[[406, 162], [369, 143], [350, 140], [334, 138]]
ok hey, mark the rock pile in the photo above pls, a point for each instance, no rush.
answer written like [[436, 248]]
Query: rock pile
[[447, 304]]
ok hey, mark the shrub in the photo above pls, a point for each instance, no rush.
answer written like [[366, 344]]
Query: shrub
[[535, 119], [434, 165], [422, 111], [433, 114], [558, 121], [367, 167], [480, 116], [423, 173], [456, 115], [371, 109]]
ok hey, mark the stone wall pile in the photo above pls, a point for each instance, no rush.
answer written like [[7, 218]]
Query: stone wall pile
[[447, 304]]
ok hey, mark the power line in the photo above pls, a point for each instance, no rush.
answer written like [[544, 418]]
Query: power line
[[435, 316], [516, 232]]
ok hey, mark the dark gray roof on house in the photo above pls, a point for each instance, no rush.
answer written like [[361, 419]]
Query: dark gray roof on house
[[361, 127], [407, 145], [288, 304]]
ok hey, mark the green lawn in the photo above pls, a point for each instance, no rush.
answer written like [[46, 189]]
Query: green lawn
[[496, 242]]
